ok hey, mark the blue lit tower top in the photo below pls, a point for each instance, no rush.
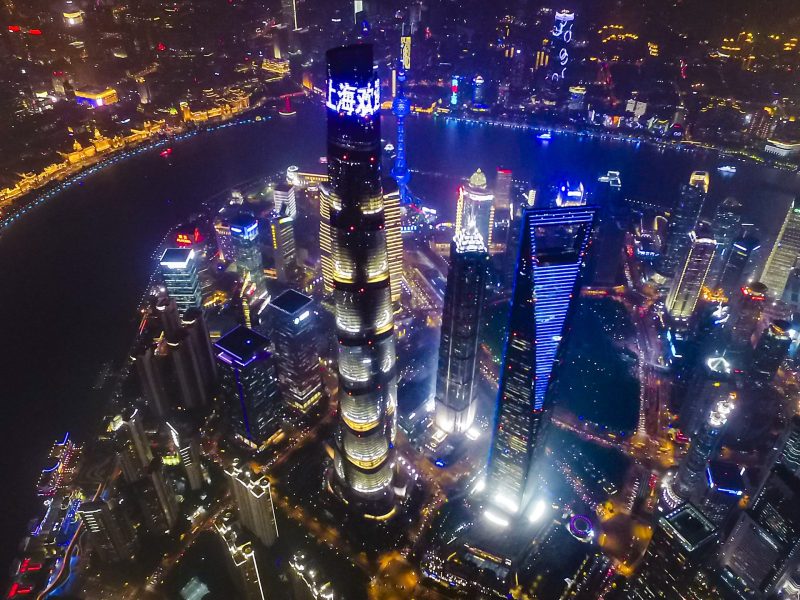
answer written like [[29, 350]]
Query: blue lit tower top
[[553, 245], [401, 107]]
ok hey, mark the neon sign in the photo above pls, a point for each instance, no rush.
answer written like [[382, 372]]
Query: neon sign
[[344, 97], [562, 35]]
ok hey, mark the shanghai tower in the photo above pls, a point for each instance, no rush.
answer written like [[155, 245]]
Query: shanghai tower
[[362, 295]]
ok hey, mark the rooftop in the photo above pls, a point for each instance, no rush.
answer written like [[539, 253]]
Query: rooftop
[[176, 258], [241, 345], [291, 302], [691, 527], [727, 477]]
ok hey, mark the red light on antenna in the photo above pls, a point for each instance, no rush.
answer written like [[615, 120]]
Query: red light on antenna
[[14, 28], [35, 32]]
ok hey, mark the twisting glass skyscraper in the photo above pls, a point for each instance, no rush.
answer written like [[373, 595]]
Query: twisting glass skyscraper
[[362, 296], [461, 317], [553, 244]]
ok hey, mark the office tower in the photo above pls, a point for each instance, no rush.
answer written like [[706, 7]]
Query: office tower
[[726, 224], [747, 308], [725, 486], [502, 192], [401, 107], [771, 350], [394, 242], [362, 292], [673, 565], [247, 253], [289, 14], [151, 369], [560, 47], [188, 364], [156, 498], [791, 292], [187, 447], [784, 253], [691, 278], [249, 385], [284, 200], [738, 263], [701, 180], [475, 199], [712, 383], [293, 330], [253, 498], [702, 449], [194, 322], [552, 247], [243, 565], [763, 549], [682, 221], [132, 444], [790, 446], [283, 247], [461, 319], [179, 270], [110, 535], [223, 236]]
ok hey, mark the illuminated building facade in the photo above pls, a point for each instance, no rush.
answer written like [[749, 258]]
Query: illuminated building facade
[[475, 199], [790, 446], [247, 253], [243, 563], [110, 535], [461, 319], [285, 200], [747, 308], [132, 444], [283, 247], [502, 192], [361, 281], [249, 385], [293, 325], [179, 271], [224, 238], [401, 107], [553, 244], [685, 292], [394, 242], [682, 221], [784, 253], [561, 45], [253, 498], [692, 470], [188, 449], [673, 565], [96, 98], [763, 548]]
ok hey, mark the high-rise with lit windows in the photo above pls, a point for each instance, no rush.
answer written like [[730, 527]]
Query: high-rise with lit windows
[[247, 253], [552, 249], [461, 319], [784, 253], [682, 221], [691, 278], [361, 280], [179, 271], [253, 498], [477, 200]]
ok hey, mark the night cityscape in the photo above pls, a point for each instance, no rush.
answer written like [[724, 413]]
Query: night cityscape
[[400, 299]]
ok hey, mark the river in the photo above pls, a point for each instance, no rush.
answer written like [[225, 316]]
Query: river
[[73, 270]]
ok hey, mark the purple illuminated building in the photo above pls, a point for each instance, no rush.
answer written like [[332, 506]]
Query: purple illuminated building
[[249, 386]]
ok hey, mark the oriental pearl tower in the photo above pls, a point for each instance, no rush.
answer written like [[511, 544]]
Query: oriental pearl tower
[[401, 107]]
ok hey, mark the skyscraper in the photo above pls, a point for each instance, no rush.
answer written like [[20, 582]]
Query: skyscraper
[[691, 278], [737, 263], [763, 549], [682, 221], [243, 564], [110, 534], [289, 13], [692, 469], [401, 107], [249, 385], [502, 193], [253, 497], [362, 291], [784, 253], [179, 271], [553, 244], [771, 350], [132, 444], [475, 199], [747, 308], [285, 200], [283, 247], [247, 253], [461, 318], [790, 446], [293, 326], [188, 448], [674, 564]]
